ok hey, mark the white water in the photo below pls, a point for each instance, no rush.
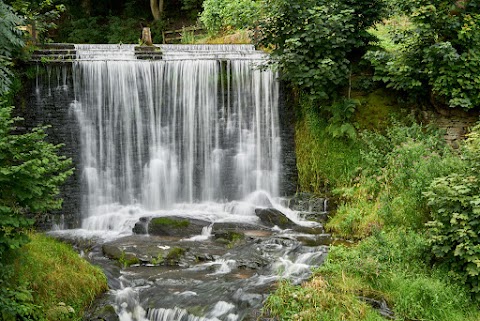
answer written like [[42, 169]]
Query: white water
[[183, 134]]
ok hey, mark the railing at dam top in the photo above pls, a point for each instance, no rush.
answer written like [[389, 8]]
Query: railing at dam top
[[67, 53]]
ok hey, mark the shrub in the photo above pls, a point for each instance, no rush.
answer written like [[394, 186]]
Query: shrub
[[220, 15], [454, 230], [438, 57], [314, 42]]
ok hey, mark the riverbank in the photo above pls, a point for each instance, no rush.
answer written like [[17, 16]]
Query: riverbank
[[391, 270], [58, 282]]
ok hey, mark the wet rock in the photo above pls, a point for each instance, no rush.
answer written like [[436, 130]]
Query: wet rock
[[141, 227], [321, 217], [272, 217], [121, 255], [101, 310], [315, 240], [309, 230], [306, 202], [379, 305], [176, 226]]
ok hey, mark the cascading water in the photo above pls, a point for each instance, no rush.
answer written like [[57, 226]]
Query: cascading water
[[195, 136], [160, 133]]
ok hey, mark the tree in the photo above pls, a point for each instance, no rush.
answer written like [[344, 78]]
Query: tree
[[10, 42], [314, 42], [439, 57], [157, 7]]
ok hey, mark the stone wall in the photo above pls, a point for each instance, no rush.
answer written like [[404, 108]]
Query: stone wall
[[46, 101], [455, 122]]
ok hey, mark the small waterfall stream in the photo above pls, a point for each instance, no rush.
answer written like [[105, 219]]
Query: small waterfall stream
[[194, 136]]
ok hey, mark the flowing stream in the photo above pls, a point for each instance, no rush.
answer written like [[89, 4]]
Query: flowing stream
[[192, 136]]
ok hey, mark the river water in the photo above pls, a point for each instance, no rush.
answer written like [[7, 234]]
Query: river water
[[192, 137]]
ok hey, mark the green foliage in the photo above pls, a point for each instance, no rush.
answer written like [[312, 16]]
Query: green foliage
[[455, 227], [340, 124], [86, 30], [123, 30], [438, 57], [30, 173], [220, 15], [41, 15], [323, 162], [398, 167], [10, 42], [46, 266], [315, 41], [388, 267]]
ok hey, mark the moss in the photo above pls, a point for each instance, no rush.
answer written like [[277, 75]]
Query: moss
[[171, 223], [175, 254], [376, 110]]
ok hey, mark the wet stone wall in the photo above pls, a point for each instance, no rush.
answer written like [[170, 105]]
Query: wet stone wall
[[47, 100]]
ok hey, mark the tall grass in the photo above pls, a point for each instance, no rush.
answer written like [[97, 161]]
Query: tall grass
[[379, 179], [323, 162], [62, 282]]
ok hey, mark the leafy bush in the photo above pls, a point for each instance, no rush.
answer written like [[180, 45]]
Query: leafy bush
[[30, 173], [439, 57], [455, 227], [220, 15], [323, 162], [398, 167], [10, 42], [314, 42]]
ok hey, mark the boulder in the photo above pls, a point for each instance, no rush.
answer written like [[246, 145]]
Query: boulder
[[272, 217], [176, 226]]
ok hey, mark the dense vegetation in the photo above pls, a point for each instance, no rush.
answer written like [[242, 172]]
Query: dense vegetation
[[31, 171]]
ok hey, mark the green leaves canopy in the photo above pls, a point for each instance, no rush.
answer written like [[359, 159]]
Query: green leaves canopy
[[10, 41], [439, 56], [315, 41]]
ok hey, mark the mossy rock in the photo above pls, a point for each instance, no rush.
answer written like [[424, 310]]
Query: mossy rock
[[123, 257], [174, 255], [176, 226], [272, 217]]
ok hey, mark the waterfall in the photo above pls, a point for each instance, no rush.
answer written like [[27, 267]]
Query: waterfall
[[200, 125]]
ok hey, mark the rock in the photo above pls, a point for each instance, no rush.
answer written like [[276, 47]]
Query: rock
[[116, 253], [306, 202], [102, 311], [272, 217], [176, 226], [141, 227], [316, 240], [309, 230], [321, 217]]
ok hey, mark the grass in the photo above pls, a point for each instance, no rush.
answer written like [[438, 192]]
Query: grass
[[237, 37], [62, 282], [323, 162], [386, 267], [379, 179]]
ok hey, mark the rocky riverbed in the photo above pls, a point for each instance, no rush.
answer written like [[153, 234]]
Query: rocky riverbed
[[181, 268]]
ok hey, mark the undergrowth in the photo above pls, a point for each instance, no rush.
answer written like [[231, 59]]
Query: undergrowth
[[391, 187]]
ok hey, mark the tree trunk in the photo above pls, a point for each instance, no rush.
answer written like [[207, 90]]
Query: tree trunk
[[157, 8]]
